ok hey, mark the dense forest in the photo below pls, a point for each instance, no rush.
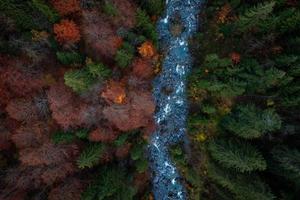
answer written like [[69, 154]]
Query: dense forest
[[76, 105]]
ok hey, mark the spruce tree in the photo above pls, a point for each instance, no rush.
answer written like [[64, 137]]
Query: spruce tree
[[237, 155], [69, 58], [286, 163], [112, 183], [50, 13], [249, 122], [254, 15], [242, 186], [78, 80], [90, 156]]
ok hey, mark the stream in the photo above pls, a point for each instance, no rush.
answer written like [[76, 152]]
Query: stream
[[169, 91]]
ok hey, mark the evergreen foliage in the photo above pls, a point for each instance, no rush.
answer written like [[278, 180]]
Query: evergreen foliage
[[110, 9], [69, 58], [258, 79], [112, 183], [243, 187], [154, 7], [19, 12], [245, 98], [249, 122], [82, 133], [137, 155], [90, 156], [288, 20], [254, 15], [78, 80], [98, 70], [51, 14], [218, 77], [124, 55], [237, 155], [145, 26], [287, 162], [63, 137]]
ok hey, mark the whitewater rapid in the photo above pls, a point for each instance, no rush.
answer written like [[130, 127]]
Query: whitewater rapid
[[169, 91]]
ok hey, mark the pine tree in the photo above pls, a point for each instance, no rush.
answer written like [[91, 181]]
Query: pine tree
[[69, 58], [51, 14], [237, 155], [242, 186], [254, 15], [124, 55], [289, 20], [110, 9], [258, 79], [98, 70], [90, 156], [82, 133], [218, 77], [112, 183], [20, 13], [286, 163], [61, 137], [145, 26], [249, 122], [154, 7], [78, 80]]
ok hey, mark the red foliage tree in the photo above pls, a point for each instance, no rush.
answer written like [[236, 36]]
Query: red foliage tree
[[22, 110], [136, 113], [66, 7], [99, 36], [66, 32], [31, 136], [61, 102], [15, 82], [47, 154], [56, 173], [70, 189], [142, 68], [103, 135], [126, 13]]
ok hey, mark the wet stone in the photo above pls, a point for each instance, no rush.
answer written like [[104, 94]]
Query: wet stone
[[176, 26], [167, 90]]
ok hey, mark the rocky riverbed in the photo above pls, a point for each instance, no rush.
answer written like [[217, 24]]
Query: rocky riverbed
[[175, 28]]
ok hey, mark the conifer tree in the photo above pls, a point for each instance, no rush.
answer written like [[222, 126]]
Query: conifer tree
[[254, 15], [78, 80], [124, 55], [69, 58], [145, 26], [90, 156], [286, 163], [51, 14], [112, 183], [242, 186], [237, 155], [249, 122]]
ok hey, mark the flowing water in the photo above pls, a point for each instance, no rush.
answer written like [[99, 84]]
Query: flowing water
[[175, 28]]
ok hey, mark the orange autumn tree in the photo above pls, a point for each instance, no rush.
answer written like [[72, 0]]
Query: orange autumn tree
[[66, 7], [115, 92], [66, 32], [147, 50], [222, 15]]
